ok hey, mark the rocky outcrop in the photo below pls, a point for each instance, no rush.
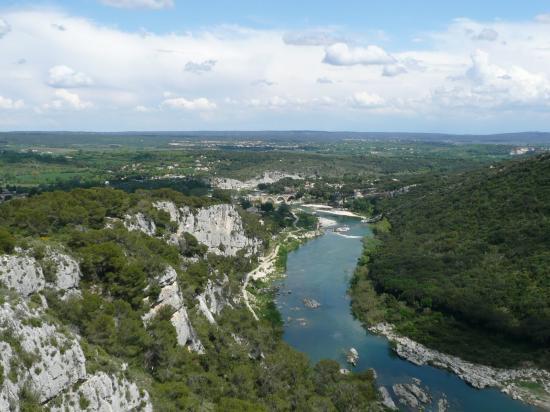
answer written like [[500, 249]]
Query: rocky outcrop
[[311, 303], [44, 359], [442, 405], [36, 355], [411, 394], [387, 400], [219, 227], [266, 178], [212, 300], [24, 274], [170, 295], [479, 376], [352, 356], [21, 273], [105, 393], [66, 272], [141, 223]]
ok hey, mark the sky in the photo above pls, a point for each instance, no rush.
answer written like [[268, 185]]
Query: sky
[[393, 65]]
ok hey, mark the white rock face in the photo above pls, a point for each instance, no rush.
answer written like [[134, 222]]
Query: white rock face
[[212, 300], [68, 272], [21, 273], [106, 393], [170, 295], [267, 178], [219, 227], [57, 359], [141, 223]]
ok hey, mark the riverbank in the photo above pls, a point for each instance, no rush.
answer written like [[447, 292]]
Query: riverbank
[[331, 210], [267, 267], [528, 385]]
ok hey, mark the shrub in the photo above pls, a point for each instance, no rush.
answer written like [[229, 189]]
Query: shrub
[[7, 241]]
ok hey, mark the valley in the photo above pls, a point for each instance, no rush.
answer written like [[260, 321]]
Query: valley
[[173, 280]]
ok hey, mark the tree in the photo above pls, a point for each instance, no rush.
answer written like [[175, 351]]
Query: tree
[[7, 241]]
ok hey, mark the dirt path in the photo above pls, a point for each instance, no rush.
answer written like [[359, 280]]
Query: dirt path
[[266, 266]]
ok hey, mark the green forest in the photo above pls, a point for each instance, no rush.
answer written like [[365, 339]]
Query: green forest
[[465, 267]]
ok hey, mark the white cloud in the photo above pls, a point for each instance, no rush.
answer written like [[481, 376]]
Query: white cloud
[[124, 72], [263, 82], [314, 37], [58, 27], [65, 77], [134, 4], [367, 100], [67, 99], [543, 18], [143, 109], [392, 70], [340, 54], [5, 28], [200, 104], [200, 67], [324, 80], [486, 34], [487, 85], [7, 103]]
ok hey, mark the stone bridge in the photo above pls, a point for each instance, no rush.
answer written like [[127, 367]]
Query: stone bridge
[[275, 199]]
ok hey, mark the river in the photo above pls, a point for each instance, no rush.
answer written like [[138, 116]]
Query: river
[[321, 269]]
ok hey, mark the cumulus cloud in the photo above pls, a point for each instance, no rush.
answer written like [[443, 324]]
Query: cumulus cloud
[[393, 70], [324, 80], [5, 28], [340, 54], [315, 37], [66, 99], [487, 34], [65, 77], [200, 104], [487, 85], [200, 67], [135, 4], [367, 100], [123, 72], [8, 104]]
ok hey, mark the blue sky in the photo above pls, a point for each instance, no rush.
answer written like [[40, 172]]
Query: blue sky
[[357, 65]]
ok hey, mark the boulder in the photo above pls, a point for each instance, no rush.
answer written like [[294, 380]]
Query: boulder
[[352, 356], [311, 303]]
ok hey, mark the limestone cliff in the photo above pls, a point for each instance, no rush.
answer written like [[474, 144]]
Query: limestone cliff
[[105, 393], [219, 227], [170, 295], [44, 360], [213, 299]]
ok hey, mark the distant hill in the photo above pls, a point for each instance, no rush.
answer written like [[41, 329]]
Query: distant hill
[[157, 137]]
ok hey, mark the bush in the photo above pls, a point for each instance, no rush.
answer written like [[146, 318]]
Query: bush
[[7, 241]]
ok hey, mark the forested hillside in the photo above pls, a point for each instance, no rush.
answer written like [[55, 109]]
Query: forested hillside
[[466, 264], [104, 288]]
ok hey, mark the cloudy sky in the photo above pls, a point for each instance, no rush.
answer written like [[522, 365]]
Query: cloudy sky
[[397, 65]]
